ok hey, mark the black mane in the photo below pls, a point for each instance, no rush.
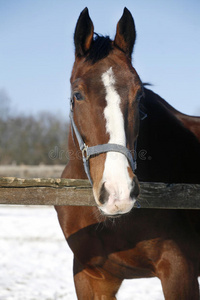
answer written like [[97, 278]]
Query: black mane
[[100, 48]]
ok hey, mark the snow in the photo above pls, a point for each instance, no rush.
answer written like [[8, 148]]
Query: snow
[[36, 262]]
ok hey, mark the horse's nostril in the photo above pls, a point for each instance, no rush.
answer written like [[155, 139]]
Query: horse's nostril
[[108, 193], [136, 189], [104, 195]]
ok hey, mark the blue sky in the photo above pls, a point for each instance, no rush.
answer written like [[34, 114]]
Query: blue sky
[[37, 52]]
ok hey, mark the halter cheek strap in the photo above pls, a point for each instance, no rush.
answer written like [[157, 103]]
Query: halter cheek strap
[[88, 152]]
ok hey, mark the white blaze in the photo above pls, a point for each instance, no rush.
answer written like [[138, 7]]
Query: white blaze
[[116, 176], [112, 113]]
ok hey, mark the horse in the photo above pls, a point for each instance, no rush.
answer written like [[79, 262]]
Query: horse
[[116, 122]]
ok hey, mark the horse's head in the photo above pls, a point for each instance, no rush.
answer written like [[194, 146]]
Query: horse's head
[[104, 111]]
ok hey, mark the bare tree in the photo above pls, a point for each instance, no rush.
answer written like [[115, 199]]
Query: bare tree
[[4, 104], [31, 139]]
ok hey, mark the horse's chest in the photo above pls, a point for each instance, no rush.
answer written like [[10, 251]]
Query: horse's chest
[[129, 264], [126, 257]]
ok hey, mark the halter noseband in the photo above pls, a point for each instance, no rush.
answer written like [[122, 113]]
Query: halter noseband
[[87, 152]]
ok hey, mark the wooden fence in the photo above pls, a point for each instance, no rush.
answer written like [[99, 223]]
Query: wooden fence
[[51, 191]]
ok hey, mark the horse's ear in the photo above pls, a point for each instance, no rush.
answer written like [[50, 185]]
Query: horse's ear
[[126, 34], [83, 35]]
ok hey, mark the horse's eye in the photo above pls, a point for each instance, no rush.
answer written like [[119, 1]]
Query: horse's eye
[[78, 96]]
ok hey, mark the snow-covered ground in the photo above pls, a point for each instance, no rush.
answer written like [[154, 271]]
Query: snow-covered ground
[[36, 262]]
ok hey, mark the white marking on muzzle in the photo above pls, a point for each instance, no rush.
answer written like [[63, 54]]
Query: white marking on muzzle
[[115, 176]]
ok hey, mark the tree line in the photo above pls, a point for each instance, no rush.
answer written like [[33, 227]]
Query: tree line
[[31, 139]]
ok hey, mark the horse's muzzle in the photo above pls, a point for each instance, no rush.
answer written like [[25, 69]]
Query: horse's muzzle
[[118, 199]]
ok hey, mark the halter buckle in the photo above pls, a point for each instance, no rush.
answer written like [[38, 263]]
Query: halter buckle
[[85, 152]]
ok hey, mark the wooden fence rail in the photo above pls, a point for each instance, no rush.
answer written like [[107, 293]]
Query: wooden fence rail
[[41, 191]]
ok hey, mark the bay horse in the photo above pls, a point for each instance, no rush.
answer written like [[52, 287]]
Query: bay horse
[[115, 118]]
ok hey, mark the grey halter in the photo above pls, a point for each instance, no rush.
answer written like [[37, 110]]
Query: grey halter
[[87, 152]]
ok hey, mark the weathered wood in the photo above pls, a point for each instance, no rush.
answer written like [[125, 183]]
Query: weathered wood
[[50, 191], [173, 196], [43, 182], [45, 191]]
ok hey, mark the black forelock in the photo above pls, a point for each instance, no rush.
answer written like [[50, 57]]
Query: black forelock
[[100, 48]]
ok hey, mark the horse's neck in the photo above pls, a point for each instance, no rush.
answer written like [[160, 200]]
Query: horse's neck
[[167, 150], [192, 123], [189, 122]]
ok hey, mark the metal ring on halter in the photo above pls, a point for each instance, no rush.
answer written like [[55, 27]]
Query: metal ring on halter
[[85, 152]]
